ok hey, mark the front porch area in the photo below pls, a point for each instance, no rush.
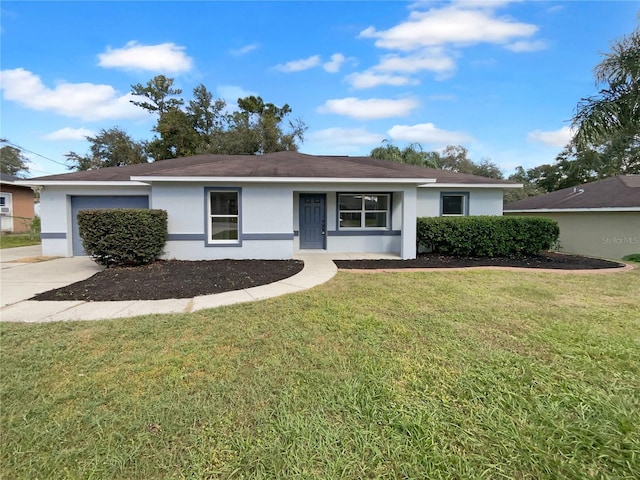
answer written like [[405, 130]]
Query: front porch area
[[351, 222], [306, 253]]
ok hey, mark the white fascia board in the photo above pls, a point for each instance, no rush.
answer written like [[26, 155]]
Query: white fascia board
[[284, 180], [472, 185], [576, 210], [83, 183]]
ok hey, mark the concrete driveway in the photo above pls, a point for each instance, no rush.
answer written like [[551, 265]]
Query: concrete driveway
[[21, 280], [24, 273]]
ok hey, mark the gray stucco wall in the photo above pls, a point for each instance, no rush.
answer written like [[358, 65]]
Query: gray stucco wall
[[596, 234]]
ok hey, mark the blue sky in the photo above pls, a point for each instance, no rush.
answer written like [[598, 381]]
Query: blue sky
[[501, 78]]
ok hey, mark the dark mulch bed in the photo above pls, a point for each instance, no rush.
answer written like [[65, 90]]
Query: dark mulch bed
[[429, 260], [175, 279], [186, 279]]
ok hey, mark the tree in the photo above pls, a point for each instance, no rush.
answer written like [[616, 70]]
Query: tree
[[178, 137], [205, 126], [158, 91], [110, 148], [12, 161], [609, 123], [456, 159], [206, 116], [487, 168], [411, 154], [529, 180], [453, 157], [616, 109], [619, 155], [564, 173], [256, 128], [607, 126], [575, 166]]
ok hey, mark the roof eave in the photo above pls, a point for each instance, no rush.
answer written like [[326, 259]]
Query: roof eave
[[574, 210], [472, 185], [83, 183]]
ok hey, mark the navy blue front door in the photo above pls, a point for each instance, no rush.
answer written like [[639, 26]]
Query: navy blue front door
[[312, 220]]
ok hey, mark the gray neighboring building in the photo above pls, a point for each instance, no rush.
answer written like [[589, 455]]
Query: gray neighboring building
[[598, 219]]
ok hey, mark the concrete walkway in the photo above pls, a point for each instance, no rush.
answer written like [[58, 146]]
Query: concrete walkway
[[21, 280], [25, 273]]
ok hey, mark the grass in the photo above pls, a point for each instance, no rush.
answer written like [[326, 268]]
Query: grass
[[478, 374], [10, 240]]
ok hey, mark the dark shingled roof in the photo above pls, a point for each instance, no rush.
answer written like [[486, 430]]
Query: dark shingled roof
[[276, 165], [6, 178], [621, 191]]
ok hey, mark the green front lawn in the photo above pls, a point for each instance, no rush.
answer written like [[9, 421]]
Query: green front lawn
[[479, 374], [10, 240]]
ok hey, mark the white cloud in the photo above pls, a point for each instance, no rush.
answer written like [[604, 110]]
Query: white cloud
[[68, 133], [341, 141], [87, 101], [554, 138], [431, 37], [299, 65], [428, 133], [244, 50], [333, 66], [385, 72], [165, 57], [527, 46], [370, 109], [454, 25], [231, 93], [433, 59], [370, 79]]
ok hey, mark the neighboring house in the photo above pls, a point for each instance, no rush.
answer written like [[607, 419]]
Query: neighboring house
[[269, 206], [599, 219], [16, 205]]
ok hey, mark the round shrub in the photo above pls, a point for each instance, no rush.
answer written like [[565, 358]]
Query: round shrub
[[123, 236]]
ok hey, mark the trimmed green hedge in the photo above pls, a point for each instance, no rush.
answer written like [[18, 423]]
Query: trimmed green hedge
[[487, 236], [123, 236]]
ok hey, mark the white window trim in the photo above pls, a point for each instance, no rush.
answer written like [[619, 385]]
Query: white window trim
[[465, 203], [7, 208], [363, 212], [209, 216]]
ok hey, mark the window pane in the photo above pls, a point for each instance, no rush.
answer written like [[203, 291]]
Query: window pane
[[376, 202], [378, 219], [350, 202], [452, 205], [224, 203], [224, 228], [350, 220]]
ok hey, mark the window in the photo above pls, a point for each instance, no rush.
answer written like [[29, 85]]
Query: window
[[223, 207], [453, 204], [363, 210], [5, 203]]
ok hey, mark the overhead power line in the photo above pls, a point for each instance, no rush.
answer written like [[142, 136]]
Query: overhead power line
[[31, 169], [32, 152]]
